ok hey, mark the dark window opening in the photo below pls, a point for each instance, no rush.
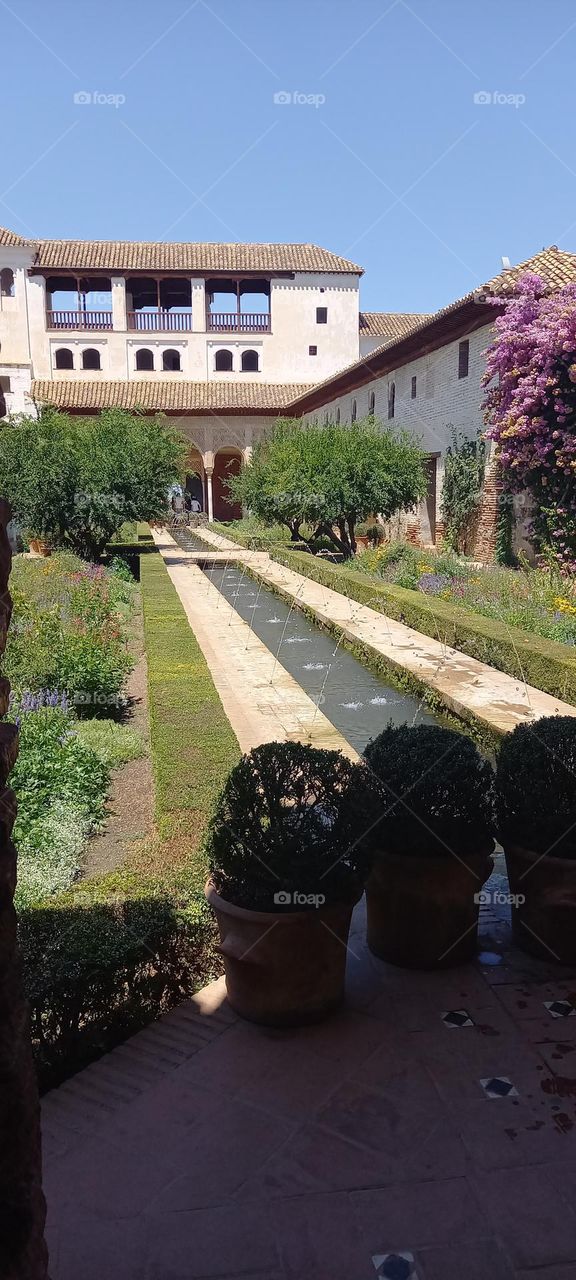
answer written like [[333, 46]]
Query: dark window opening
[[223, 362], [338, 416], [171, 361], [312, 351], [91, 359], [391, 399], [321, 315], [413, 388], [7, 282], [64, 358], [354, 411], [371, 404], [250, 362], [238, 306], [463, 358], [144, 359]]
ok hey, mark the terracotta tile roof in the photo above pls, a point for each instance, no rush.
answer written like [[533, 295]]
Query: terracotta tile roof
[[556, 266], [160, 396], [389, 324], [12, 241], [117, 255]]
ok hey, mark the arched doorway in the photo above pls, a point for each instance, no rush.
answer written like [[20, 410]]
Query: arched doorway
[[226, 463], [195, 482]]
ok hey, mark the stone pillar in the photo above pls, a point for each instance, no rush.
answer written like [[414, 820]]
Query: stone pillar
[[23, 1253], [119, 318], [486, 532], [209, 472]]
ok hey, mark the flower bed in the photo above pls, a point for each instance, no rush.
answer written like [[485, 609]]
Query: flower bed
[[536, 600]]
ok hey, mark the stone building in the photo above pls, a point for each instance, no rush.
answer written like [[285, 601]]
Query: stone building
[[223, 338]]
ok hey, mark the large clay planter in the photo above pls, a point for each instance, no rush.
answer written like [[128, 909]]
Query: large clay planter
[[544, 924], [40, 548], [421, 911], [283, 969]]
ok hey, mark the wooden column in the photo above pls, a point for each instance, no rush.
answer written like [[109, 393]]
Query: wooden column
[[23, 1253]]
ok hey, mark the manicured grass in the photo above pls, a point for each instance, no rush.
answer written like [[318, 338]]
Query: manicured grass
[[543, 663], [193, 745]]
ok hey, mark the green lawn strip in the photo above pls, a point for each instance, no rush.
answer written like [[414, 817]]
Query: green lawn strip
[[545, 664], [193, 745], [113, 953]]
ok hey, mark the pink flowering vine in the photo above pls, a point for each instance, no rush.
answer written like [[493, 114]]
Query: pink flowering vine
[[530, 407]]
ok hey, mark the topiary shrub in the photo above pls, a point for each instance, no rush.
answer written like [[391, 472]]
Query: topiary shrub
[[536, 787], [436, 791], [375, 534], [290, 820]]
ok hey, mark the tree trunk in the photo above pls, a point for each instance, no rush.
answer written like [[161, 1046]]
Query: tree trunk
[[23, 1253], [346, 545]]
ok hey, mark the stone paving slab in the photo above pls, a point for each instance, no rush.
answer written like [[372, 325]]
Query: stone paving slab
[[328, 1151], [466, 685]]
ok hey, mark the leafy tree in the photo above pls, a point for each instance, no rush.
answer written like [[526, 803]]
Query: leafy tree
[[462, 488], [332, 477], [75, 480]]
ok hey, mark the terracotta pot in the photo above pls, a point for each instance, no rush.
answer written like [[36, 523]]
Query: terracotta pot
[[421, 911], [544, 924], [283, 969], [39, 548], [361, 541]]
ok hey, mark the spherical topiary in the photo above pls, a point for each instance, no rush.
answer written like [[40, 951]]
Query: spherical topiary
[[290, 820], [436, 791], [536, 787]]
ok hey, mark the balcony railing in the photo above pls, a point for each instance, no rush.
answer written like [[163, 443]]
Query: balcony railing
[[79, 319], [160, 321], [238, 322]]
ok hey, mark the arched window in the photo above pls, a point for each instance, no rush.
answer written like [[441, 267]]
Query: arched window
[[144, 358], [223, 362], [354, 411], [371, 404], [338, 416], [64, 358], [250, 362], [91, 358], [326, 418], [391, 399], [171, 360], [7, 282]]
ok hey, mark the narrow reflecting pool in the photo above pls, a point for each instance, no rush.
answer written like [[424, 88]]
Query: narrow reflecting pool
[[358, 703]]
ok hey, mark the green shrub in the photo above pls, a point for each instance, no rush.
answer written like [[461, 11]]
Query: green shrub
[[287, 824], [546, 664], [536, 789], [60, 785], [436, 792], [114, 744]]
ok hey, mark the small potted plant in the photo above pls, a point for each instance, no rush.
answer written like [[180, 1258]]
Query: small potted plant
[[361, 536], [286, 868], [536, 816], [432, 845], [38, 544], [375, 535]]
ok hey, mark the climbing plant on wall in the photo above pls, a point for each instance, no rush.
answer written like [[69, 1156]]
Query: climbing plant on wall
[[462, 489], [530, 408]]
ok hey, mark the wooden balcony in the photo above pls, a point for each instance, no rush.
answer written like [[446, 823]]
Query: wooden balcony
[[160, 321], [79, 320], [238, 322]]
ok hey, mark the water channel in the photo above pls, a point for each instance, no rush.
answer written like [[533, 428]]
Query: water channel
[[356, 701]]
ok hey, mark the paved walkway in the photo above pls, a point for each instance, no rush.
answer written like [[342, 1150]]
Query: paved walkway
[[208, 1147]]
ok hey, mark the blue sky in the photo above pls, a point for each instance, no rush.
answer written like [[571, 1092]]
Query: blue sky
[[393, 163]]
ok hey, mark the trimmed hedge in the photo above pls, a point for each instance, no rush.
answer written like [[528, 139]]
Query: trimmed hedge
[[252, 541], [115, 952], [543, 663]]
